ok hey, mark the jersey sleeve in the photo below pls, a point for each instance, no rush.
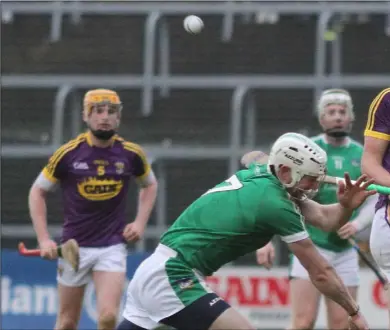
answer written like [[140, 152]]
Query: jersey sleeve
[[378, 121], [288, 223], [55, 169], [140, 166]]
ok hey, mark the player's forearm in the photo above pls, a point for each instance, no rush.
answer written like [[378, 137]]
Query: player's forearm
[[335, 216], [322, 274], [146, 201], [330, 284], [366, 213], [37, 208]]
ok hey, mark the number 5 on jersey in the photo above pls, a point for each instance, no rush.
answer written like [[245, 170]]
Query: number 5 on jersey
[[234, 184], [100, 170]]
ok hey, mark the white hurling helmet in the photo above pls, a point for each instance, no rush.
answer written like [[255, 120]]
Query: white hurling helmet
[[301, 155], [335, 96]]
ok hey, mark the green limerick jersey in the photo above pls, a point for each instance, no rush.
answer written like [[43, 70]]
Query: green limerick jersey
[[340, 160], [234, 218]]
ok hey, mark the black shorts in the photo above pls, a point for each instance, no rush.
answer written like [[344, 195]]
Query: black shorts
[[199, 315]]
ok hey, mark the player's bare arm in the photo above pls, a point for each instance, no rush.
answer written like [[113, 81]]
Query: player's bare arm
[[376, 139], [374, 150], [37, 205], [146, 200], [361, 221], [325, 278], [255, 156], [265, 256], [38, 214], [334, 216]]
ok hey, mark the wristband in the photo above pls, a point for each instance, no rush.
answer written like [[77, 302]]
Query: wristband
[[356, 312]]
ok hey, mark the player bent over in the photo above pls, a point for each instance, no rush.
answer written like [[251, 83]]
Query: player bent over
[[94, 172], [336, 116], [376, 162], [239, 216]]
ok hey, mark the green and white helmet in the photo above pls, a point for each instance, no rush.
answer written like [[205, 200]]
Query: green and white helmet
[[301, 155]]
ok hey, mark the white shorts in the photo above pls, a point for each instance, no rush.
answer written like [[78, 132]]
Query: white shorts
[[108, 259], [162, 286], [346, 264], [380, 240]]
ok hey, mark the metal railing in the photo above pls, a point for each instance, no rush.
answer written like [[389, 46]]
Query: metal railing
[[241, 85]]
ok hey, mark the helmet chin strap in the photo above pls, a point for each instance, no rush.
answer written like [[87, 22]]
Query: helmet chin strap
[[103, 134], [339, 132], [336, 133], [305, 194]]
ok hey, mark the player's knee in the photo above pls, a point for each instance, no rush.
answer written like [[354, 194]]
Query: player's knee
[[303, 324], [303, 321], [107, 319], [66, 323]]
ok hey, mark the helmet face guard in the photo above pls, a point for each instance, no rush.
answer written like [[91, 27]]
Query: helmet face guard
[[309, 193]]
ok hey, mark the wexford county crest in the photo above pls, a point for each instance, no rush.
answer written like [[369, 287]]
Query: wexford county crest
[[120, 167]]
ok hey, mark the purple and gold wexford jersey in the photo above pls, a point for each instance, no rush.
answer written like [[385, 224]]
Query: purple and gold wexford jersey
[[378, 126], [94, 183]]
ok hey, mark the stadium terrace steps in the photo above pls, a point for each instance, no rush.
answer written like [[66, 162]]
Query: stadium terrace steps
[[373, 44], [100, 45], [27, 115], [106, 44], [14, 198], [186, 116], [189, 179], [21, 41]]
